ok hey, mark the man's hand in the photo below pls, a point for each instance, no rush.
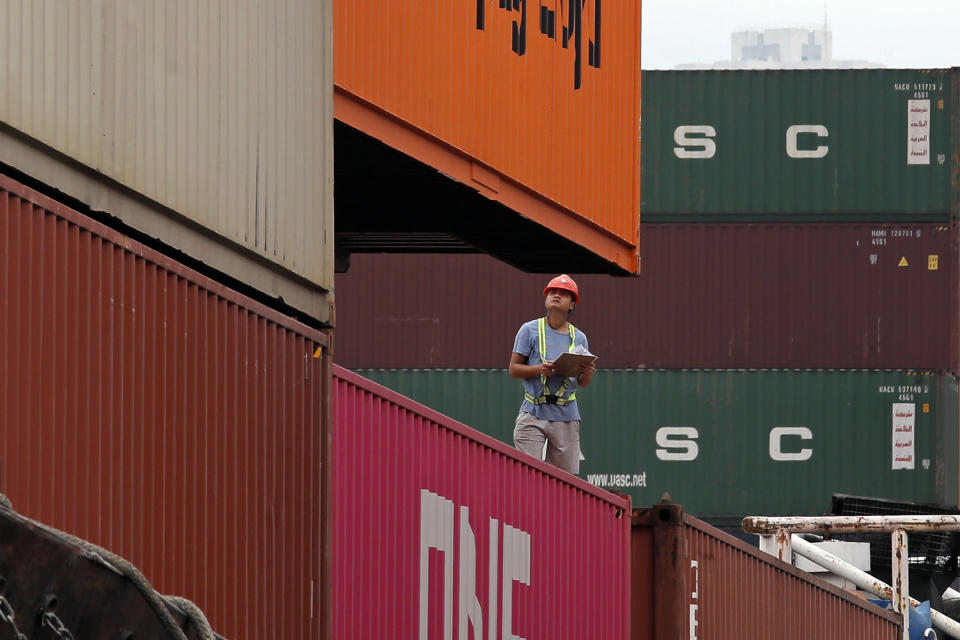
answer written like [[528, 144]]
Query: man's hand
[[586, 372], [520, 369]]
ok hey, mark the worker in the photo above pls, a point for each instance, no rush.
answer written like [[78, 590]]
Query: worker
[[549, 412]]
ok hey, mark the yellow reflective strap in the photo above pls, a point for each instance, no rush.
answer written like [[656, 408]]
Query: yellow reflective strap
[[563, 385], [542, 337], [542, 343], [562, 402]]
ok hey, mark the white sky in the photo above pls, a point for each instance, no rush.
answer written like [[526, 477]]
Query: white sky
[[905, 33]]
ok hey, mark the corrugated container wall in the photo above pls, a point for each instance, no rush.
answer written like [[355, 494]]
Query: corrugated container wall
[[693, 581], [534, 105], [710, 296], [162, 416], [438, 527], [733, 443], [215, 114], [819, 145]]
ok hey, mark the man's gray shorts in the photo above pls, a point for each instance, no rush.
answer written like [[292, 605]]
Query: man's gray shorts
[[562, 438]]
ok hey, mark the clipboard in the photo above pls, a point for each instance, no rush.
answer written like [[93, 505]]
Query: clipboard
[[568, 364]]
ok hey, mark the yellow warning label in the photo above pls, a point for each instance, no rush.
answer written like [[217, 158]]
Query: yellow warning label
[[933, 262], [940, 104], [926, 407], [903, 262]]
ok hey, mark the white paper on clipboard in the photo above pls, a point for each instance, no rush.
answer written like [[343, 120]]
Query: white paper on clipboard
[[568, 364]]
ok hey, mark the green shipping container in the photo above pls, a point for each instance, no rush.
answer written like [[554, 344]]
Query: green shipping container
[[730, 443], [800, 145]]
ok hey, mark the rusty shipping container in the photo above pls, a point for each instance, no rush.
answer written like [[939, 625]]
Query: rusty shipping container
[[207, 127], [710, 296], [690, 580], [162, 416], [535, 106], [827, 145], [439, 527]]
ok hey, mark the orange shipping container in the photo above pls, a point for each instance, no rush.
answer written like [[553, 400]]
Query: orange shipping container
[[535, 105]]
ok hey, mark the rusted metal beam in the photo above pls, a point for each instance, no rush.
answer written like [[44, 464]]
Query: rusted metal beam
[[777, 545], [901, 578], [850, 524], [670, 563]]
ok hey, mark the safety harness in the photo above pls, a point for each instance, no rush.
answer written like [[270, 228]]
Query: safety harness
[[560, 397]]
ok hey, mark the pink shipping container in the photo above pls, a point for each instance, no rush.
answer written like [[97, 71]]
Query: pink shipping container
[[163, 416], [858, 296], [693, 581], [437, 527]]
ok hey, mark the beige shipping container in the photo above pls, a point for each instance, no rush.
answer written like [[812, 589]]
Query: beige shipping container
[[207, 125]]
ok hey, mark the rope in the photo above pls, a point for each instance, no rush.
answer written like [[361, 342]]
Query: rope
[[194, 614], [126, 568]]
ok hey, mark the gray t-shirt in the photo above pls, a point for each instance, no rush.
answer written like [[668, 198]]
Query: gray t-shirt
[[526, 344]]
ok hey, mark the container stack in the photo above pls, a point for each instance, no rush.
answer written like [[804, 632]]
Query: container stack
[[166, 302], [793, 332]]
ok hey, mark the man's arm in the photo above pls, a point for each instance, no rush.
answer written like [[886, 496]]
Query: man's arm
[[520, 369]]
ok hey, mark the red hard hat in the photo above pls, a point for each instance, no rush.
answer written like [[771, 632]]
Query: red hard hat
[[565, 282]]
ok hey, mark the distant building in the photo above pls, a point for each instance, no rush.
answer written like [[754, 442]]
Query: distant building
[[783, 48]]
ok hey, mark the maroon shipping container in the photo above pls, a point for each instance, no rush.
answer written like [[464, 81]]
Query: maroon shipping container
[[708, 296], [437, 526], [158, 414], [690, 580]]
